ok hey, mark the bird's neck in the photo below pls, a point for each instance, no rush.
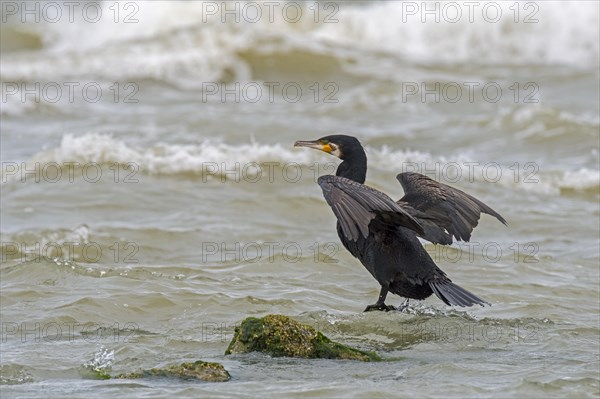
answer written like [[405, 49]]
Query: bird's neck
[[354, 168]]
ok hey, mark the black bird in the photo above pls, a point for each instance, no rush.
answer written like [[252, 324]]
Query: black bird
[[382, 233]]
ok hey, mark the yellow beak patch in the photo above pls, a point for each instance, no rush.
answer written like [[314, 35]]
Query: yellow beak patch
[[326, 148]]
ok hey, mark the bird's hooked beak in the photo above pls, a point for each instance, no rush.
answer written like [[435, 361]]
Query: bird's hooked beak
[[317, 145]]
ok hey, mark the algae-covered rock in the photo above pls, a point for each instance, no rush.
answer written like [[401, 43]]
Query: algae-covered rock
[[14, 374], [94, 373], [199, 370], [279, 335]]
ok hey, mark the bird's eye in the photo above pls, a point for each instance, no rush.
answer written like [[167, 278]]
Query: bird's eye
[[324, 141]]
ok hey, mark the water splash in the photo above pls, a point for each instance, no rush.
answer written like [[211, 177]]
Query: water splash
[[100, 365]]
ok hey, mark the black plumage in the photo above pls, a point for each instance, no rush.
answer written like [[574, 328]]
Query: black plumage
[[382, 233]]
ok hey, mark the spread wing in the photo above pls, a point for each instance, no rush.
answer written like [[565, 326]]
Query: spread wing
[[356, 205], [443, 211]]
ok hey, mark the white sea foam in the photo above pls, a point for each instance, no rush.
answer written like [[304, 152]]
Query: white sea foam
[[177, 42], [165, 158], [580, 180], [208, 157], [572, 28]]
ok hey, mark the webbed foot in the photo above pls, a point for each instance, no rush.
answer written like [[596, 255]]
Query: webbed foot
[[380, 307]]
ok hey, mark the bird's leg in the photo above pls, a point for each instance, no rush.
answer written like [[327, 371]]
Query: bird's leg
[[380, 304], [403, 306]]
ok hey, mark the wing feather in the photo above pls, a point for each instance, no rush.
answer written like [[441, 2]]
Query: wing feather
[[356, 205], [443, 211]]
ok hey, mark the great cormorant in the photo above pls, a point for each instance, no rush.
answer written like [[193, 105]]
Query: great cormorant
[[383, 233]]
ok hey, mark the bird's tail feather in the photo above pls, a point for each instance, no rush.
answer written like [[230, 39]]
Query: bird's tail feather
[[452, 294]]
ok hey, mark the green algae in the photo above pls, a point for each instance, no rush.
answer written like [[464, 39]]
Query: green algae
[[280, 335], [199, 370]]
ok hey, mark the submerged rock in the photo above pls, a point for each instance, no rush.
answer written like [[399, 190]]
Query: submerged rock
[[94, 374], [280, 335], [14, 374], [199, 370]]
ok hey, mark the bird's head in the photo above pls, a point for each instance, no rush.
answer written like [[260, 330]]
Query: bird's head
[[339, 145]]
